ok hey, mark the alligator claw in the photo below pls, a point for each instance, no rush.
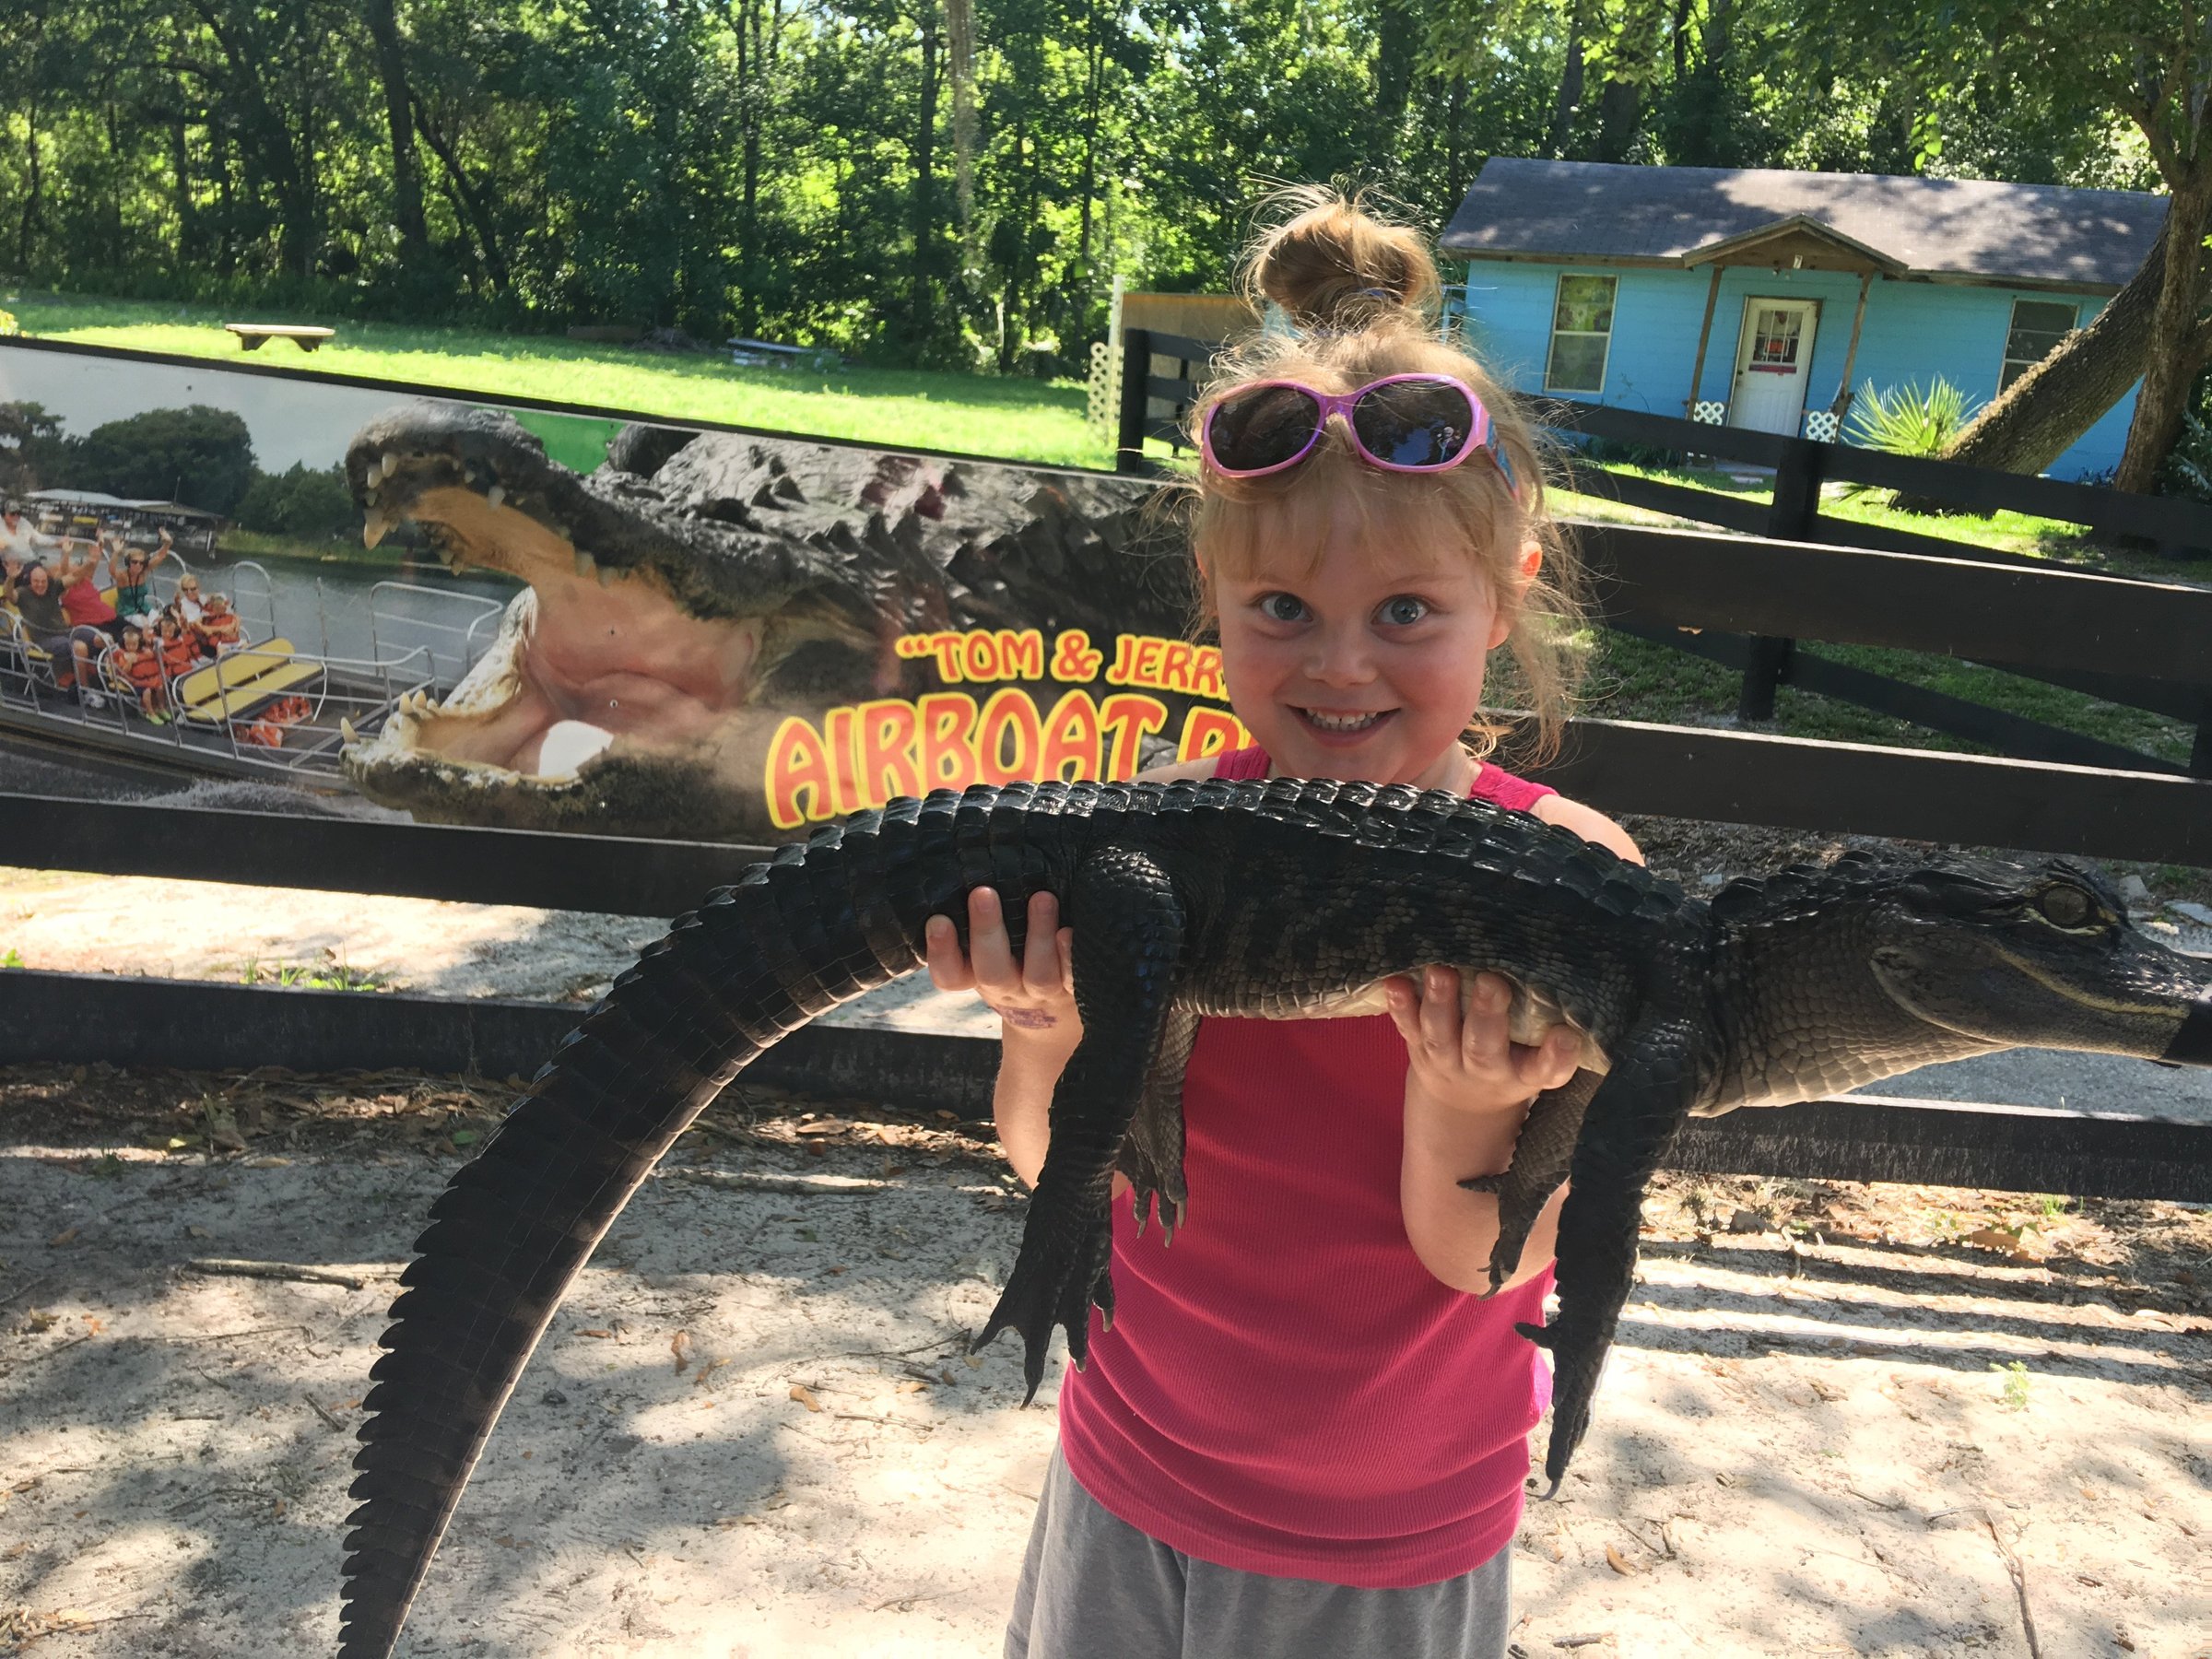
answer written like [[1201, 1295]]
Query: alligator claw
[[1061, 1272]]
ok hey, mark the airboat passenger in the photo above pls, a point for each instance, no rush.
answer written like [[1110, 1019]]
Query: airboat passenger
[[139, 663], [134, 598], [81, 598], [37, 597], [218, 629], [185, 602], [179, 648], [18, 537]]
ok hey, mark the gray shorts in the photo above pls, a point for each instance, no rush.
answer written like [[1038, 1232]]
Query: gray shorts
[[1093, 1585]]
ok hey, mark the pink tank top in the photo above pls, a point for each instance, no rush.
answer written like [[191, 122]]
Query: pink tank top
[[1287, 1389]]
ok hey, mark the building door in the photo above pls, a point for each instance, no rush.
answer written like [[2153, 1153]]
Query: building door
[[1773, 362]]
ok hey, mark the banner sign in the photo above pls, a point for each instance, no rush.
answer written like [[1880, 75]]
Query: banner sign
[[630, 626]]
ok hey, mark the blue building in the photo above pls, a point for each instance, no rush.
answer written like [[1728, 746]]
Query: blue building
[[1765, 298]]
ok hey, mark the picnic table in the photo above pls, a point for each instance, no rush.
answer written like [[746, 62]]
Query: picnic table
[[306, 336]]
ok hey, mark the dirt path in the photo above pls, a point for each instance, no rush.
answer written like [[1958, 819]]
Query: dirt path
[[753, 1431]]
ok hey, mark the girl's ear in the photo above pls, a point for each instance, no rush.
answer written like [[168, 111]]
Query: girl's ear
[[1532, 559]]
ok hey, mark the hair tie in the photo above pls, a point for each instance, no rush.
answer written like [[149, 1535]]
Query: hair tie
[[1377, 294]]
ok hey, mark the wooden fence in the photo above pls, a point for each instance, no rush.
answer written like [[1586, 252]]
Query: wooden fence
[[1163, 373], [74, 1019]]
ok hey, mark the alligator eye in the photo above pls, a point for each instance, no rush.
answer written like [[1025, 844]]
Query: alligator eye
[[2066, 906]]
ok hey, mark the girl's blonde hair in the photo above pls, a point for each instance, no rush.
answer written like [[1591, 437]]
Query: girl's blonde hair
[[1361, 296]]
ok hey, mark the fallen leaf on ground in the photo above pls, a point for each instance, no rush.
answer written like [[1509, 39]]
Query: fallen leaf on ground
[[680, 1346], [804, 1396], [1619, 1562], [67, 1236], [594, 1330]]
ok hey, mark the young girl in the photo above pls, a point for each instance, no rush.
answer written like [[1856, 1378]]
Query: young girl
[[179, 649], [139, 663], [218, 629], [1306, 1433]]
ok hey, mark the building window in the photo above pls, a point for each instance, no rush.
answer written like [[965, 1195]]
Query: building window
[[1582, 331], [2038, 325]]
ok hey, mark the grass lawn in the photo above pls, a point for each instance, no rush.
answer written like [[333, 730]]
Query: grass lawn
[[1022, 420], [2008, 532]]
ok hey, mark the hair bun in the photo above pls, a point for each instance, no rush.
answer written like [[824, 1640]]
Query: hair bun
[[1335, 265]]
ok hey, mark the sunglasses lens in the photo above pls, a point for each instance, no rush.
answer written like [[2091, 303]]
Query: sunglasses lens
[[1262, 427], [1415, 423]]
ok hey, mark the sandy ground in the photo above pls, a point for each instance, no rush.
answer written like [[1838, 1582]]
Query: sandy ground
[[1839, 1421]]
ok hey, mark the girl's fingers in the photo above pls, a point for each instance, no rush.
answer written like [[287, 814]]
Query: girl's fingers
[[1440, 1020], [948, 969], [990, 952], [1483, 1041], [1040, 966], [1066, 938]]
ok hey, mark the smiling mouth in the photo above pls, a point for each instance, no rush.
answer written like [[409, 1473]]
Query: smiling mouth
[[1345, 723]]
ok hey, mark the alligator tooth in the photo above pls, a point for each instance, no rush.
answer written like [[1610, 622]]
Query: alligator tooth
[[346, 732], [495, 495], [369, 496], [586, 566], [390, 464], [609, 575], [375, 527]]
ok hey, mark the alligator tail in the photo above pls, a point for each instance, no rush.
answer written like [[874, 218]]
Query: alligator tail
[[795, 937]]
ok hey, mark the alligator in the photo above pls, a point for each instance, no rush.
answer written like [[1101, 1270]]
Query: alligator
[[700, 588], [1773, 990]]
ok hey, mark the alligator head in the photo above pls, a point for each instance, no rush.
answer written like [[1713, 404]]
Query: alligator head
[[698, 588], [1918, 964]]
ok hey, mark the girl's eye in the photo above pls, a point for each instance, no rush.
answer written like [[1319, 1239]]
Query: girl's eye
[[1282, 607], [1402, 611]]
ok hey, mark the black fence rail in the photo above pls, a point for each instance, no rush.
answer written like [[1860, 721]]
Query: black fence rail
[[1162, 375], [69, 1018]]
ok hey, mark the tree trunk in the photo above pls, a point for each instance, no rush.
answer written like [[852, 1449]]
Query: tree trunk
[[1399, 39], [479, 214], [1571, 85], [406, 173], [918, 304], [2044, 412], [2172, 363], [1620, 113], [28, 219]]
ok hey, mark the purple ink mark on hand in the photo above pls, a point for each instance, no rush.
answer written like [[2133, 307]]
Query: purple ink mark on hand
[[1030, 1019]]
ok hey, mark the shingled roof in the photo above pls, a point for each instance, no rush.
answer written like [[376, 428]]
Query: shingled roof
[[1938, 230]]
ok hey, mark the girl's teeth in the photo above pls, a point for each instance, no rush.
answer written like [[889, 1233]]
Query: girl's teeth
[[1341, 722]]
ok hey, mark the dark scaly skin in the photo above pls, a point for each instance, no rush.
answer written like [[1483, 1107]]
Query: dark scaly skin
[[1268, 899]]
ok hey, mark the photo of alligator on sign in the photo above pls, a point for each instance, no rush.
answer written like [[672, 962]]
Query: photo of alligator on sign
[[1774, 992], [728, 636], [526, 618]]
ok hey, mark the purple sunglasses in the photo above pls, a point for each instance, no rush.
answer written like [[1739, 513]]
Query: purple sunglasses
[[1401, 423]]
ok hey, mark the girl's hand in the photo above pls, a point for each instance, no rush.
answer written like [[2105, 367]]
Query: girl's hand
[[1036, 995], [1470, 1063]]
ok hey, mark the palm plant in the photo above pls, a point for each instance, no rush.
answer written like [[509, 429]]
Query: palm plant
[[1907, 421]]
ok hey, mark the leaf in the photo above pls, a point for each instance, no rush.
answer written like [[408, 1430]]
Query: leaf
[[804, 1396], [1619, 1562], [680, 1346], [462, 1137], [67, 1236], [594, 1330]]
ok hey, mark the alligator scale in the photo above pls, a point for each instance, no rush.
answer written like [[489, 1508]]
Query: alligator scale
[[1269, 899]]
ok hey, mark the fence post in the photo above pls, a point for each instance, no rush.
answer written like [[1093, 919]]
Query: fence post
[[1792, 517], [1136, 376]]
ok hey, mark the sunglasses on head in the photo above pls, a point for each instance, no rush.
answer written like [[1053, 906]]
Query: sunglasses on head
[[1401, 423]]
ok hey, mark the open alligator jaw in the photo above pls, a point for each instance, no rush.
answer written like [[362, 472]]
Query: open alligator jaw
[[598, 649]]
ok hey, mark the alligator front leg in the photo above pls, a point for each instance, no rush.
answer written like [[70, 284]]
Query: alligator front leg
[[1129, 944], [1542, 1157], [1631, 1122]]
